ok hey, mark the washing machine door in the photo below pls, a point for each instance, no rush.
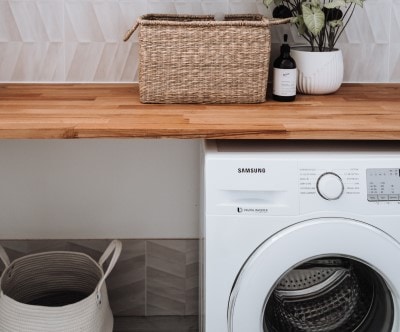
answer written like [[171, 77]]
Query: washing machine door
[[328, 274]]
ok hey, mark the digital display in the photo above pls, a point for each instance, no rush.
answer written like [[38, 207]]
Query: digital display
[[383, 184]]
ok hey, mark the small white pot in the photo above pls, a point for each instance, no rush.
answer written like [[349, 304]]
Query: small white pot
[[318, 72]]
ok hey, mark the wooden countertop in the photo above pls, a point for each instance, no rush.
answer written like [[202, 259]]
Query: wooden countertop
[[355, 112]]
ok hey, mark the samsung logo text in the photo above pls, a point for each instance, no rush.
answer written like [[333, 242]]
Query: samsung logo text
[[251, 170]]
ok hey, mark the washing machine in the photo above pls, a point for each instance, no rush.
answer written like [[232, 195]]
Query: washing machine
[[300, 236]]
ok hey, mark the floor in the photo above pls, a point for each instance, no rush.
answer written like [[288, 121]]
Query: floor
[[156, 324]]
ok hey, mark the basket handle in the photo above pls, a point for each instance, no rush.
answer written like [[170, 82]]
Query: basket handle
[[114, 248], [276, 21], [130, 32], [4, 257]]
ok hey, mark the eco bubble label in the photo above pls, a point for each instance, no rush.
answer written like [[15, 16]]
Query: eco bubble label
[[251, 210]]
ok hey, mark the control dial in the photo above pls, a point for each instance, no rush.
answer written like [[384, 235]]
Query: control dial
[[330, 186]]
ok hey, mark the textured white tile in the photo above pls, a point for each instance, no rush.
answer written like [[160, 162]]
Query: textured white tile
[[214, 7], [33, 62], [191, 8], [243, 7], [245, 1], [105, 70], [27, 19], [160, 6], [395, 28], [108, 15], [377, 13], [8, 26], [91, 32], [130, 70], [370, 24], [101, 62], [112, 62], [246, 7], [261, 9], [81, 23], [37, 21], [8, 59], [130, 11], [82, 60], [365, 62], [52, 66], [394, 63], [92, 21], [394, 58], [52, 15]]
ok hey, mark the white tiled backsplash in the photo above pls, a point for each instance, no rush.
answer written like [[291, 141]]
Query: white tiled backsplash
[[81, 40]]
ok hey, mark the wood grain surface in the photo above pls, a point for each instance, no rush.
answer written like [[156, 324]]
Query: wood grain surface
[[355, 112]]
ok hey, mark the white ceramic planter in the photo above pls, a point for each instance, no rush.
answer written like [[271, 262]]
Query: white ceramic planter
[[318, 72]]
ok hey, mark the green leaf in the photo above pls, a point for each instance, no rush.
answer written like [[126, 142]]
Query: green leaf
[[315, 3], [336, 23], [314, 19], [301, 27], [357, 2], [335, 4], [267, 3], [299, 22]]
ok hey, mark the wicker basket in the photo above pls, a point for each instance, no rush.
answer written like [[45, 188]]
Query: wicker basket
[[195, 59]]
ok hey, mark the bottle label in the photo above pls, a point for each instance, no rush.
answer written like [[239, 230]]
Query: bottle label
[[284, 82]]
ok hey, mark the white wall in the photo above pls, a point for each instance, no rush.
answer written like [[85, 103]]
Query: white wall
[[99, 188]]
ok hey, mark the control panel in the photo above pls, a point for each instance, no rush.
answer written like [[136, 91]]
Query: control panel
[[383, 184], [330, 184], [267, 179]]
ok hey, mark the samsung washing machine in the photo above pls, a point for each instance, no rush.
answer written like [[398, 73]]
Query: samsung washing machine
[[300, 236]]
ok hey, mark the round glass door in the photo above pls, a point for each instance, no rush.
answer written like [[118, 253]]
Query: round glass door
[[335, 294], [321, 275]]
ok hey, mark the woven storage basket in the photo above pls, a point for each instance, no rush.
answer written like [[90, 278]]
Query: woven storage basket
[[195, 59], [56, 292]]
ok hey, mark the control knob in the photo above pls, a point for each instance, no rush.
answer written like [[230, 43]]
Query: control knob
[[330, 186]]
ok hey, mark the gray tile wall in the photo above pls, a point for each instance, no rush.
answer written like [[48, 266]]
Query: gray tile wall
[[80, 40], [151, 278]]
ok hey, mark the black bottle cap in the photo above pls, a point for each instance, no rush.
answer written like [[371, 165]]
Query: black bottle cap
[[285, 48]]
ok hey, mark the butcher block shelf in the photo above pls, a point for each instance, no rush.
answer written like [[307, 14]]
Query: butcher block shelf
[[355, 112]]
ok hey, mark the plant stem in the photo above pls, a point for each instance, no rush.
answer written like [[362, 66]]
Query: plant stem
[[337, 35]]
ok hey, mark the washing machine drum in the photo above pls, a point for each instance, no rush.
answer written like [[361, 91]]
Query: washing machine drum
[[330, 294]]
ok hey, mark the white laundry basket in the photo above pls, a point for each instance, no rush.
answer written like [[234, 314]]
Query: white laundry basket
[[56, 291]]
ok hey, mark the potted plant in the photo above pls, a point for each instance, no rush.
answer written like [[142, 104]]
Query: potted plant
[[320, 23]]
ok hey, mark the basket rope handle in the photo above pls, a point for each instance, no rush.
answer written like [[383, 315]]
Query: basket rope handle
[[276, 21], [4, 257], [114, 248], [130, 32]]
